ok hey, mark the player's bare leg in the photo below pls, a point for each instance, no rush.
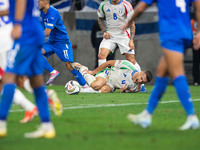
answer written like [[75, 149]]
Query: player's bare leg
[[103, 53], [106, 89], [176, 69], [46, 129], [144, 118]]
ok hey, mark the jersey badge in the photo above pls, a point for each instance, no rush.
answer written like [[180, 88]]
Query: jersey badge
[[108, 10], [124, 75]]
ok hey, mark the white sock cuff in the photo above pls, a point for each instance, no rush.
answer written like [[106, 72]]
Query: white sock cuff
[[89, 78]]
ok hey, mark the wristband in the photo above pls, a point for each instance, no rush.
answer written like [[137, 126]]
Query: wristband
[[17, 22]]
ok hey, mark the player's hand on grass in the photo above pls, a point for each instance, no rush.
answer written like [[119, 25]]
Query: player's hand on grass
[[124, 88], [16, 32]]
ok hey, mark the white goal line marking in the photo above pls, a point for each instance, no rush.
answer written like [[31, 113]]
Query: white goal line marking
[[108, 105]]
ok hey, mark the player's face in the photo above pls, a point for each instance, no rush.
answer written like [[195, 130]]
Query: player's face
[[115, 1], [41, 4], [140, 78]]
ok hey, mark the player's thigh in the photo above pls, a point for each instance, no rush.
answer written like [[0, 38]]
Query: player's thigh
[[98, 83], [174, 62], [64, 51], [107, 46], [36, 81], [123, 44], [162, 69], [106, 89]]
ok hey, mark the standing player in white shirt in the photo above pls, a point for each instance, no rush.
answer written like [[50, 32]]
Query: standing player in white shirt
[[116, 12]]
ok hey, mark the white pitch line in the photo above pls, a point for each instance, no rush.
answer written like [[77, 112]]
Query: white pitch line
[[108, 105]]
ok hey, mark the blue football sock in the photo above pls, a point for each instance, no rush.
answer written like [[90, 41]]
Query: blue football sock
[[78, 77], [42, 103], [6, 100], [183, 93], [46, 65], [157, 92]]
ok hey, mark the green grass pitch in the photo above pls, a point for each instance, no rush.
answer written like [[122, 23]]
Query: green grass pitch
[[98, 122]]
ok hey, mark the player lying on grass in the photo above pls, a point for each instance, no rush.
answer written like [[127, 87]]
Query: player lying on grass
[[122, 75]]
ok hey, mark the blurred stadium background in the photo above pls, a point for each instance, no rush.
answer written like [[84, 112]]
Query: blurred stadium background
[[79, 17]]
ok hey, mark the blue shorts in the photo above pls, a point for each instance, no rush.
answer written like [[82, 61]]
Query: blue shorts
[[176, 45], [62, 49], [24, 59]]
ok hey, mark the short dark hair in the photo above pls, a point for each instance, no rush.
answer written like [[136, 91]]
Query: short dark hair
[[149, 75]]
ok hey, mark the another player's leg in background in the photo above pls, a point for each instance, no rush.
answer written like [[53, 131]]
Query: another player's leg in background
[[103, 53], [176, 69], [6, 101], [46, 128], [96, 83], [144, 118], [53, 73], [53, 99], [76, 74], [180, 83], [22, 101]]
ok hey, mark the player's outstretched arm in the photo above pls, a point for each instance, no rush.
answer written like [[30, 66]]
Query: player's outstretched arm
[[104, 65], [140, 7], [196, 41]]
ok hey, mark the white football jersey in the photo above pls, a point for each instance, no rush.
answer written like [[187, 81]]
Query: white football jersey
[[116, 16], [5, 28], [121, 75]]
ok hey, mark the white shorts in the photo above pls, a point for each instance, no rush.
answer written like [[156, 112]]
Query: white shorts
[[3, 57], [105, 74], [6, 42], [121, 42]]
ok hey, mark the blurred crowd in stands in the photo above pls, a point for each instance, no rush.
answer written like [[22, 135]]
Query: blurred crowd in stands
[[80, 5]]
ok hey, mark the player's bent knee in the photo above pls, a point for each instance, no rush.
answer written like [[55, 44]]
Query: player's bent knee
[[106, 89], [95, 85]]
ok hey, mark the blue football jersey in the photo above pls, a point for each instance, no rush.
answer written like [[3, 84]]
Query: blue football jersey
[[52, 20], [31, 24], [174, 19]]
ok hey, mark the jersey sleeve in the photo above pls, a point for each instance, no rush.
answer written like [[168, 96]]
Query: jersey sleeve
[[100, 11], [4, 5], [52, 19], [148, 2], [128, 9]]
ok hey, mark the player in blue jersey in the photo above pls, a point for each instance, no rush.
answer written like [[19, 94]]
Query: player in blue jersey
[[58, 42], [175, 35], [24, 59]]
